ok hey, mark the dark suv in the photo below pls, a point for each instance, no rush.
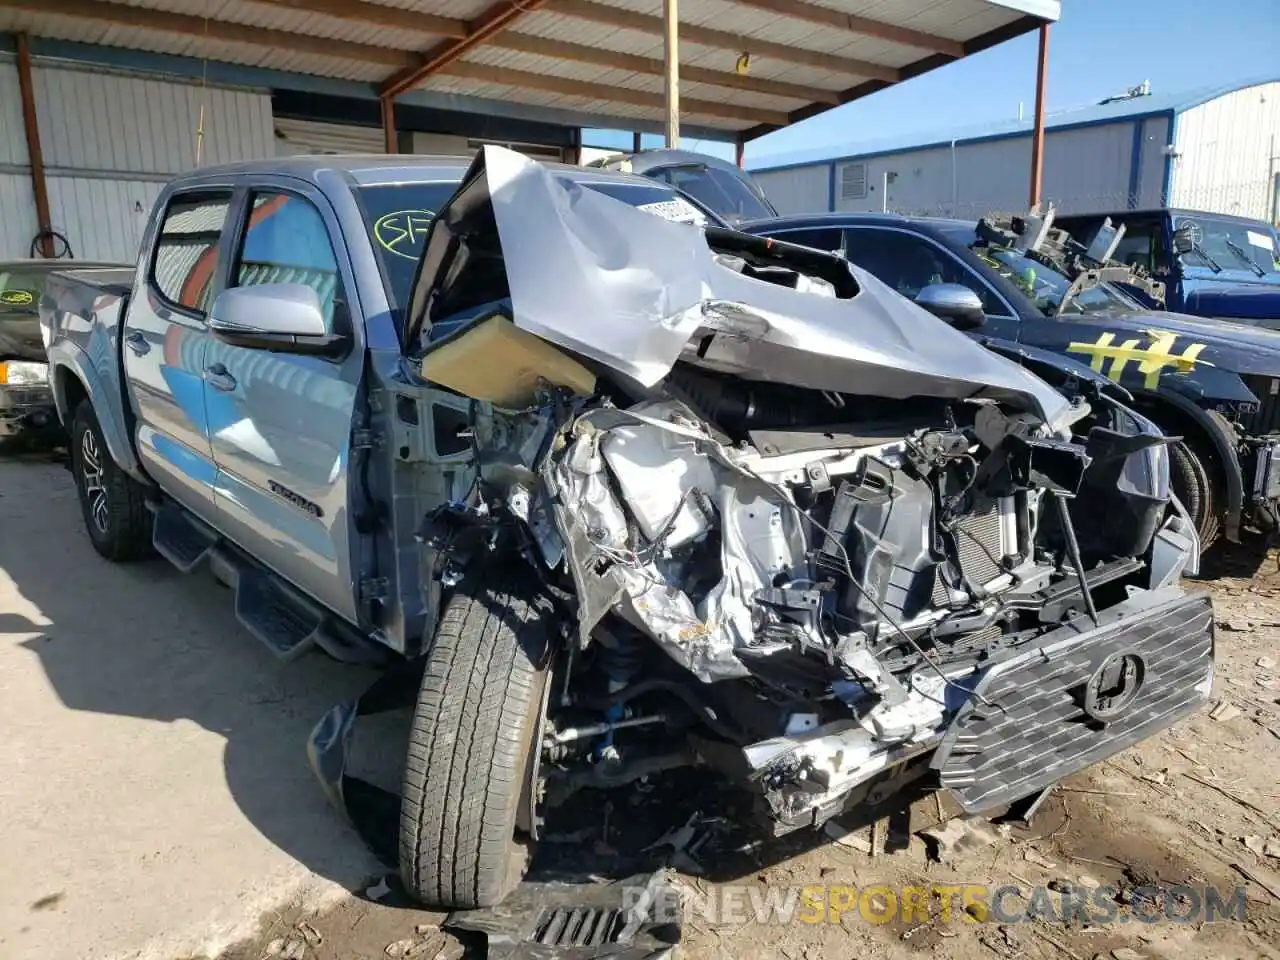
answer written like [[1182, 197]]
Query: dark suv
[[1214, 384]]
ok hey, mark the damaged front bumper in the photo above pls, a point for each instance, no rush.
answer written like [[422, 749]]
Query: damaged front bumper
[[27, 412], [1079, 697], [1023, 723]]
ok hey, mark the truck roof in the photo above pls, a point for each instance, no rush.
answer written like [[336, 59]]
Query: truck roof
[[372, 169]]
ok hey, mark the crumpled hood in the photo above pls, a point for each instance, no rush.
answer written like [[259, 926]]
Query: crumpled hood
[[630, 290], [1252, 301]]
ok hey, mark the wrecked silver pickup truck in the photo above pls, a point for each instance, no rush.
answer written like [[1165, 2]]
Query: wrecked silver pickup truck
[[730, 501], [670, 495]]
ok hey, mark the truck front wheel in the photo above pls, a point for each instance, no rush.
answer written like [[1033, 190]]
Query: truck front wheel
[[113, 503], [474, 729], [1196, 490]]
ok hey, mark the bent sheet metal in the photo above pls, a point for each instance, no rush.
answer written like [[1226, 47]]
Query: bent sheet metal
[[629, 290]]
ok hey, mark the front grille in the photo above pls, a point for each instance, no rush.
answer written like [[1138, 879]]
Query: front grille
[[28, 396], [1038, 725], [1267, 418]]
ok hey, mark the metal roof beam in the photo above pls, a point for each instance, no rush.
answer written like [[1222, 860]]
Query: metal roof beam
[[976, 45], [494, 20], [628, 19], [827, 17], [518, 79], [652, 66], [121, 15]]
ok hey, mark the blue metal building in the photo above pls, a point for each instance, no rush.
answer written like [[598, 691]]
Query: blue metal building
[[1213, 149]]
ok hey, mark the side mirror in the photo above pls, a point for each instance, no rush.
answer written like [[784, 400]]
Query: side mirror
[[1183, 241], [275, 316], [954, 303]]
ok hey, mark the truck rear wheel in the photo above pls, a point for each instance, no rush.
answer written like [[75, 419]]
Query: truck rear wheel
[[113, 503], [474, 730]]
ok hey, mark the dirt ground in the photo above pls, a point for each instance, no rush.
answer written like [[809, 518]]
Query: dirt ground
[[1138, 836], [205, 770]]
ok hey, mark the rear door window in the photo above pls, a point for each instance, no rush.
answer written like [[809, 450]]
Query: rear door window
[[184, 267]]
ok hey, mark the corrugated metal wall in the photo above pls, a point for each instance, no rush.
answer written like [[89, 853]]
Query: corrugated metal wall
[[1155, 141], [13, 140], [447, 144], [17, 205], [110, 141], [17, 215], [1227, 153], [799, 190], [96, 121], [309, 137], [1086, 169]]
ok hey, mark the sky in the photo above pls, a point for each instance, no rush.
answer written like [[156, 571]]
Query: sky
[[1098, 48]]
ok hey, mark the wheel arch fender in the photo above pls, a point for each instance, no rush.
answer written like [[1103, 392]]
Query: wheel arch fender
[[1180, 415], [76, 377]]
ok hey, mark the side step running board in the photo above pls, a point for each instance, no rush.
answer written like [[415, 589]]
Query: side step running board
[[179, 538], [281, 618], [287, 621]]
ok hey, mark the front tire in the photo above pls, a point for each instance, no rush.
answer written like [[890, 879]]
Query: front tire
[[1195, 489], [478, 714], [112, 502]]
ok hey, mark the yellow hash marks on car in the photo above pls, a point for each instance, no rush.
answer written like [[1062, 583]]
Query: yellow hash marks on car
[[1151, 360]]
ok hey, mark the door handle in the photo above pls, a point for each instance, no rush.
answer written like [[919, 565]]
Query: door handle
[[136, 342], [218, 378]]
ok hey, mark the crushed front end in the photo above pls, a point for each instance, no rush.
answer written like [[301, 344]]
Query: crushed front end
[[844, 598], [799, 531]]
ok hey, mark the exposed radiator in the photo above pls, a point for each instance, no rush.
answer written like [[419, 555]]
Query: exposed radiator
[[980, 537]]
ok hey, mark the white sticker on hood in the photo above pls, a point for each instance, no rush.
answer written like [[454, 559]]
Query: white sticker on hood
[[1261, 240], [681, 211]]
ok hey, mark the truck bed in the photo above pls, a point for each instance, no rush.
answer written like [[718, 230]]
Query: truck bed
[[111, 281], [76, 300]]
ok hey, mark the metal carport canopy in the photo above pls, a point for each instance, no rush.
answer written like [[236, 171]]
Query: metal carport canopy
[[747, 67]]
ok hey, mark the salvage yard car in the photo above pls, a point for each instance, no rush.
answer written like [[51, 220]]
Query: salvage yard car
[[27, 413], [630, 493], [1212, 384], [716, 184]]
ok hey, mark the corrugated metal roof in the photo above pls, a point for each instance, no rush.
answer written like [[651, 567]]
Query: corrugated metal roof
[[1115, 111], [813, 54], [155, 41]]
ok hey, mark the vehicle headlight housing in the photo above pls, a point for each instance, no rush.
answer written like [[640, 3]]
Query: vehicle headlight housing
[[23, 373]]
